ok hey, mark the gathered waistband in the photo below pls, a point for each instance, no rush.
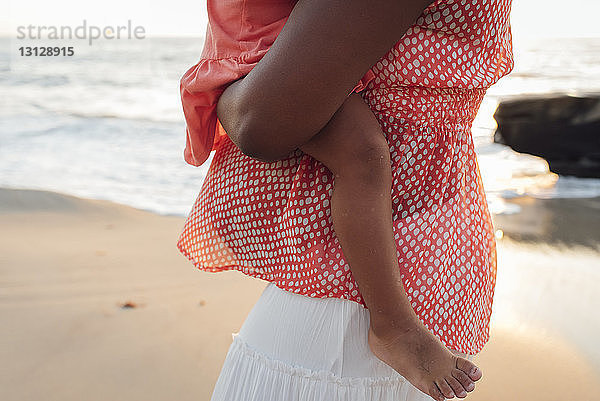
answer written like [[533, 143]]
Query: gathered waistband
[[423, 106]]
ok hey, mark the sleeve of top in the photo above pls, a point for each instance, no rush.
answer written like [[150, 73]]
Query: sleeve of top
[[200, 88]]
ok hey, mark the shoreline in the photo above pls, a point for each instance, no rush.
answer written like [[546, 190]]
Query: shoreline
[[100, 305], [561, 222]]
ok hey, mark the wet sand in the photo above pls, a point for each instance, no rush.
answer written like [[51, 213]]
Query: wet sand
[[97, 303], [557, 222]]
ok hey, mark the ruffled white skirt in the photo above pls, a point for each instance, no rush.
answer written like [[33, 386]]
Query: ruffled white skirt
[[297, 348]]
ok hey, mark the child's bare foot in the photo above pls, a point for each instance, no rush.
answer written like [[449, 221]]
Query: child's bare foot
[[423, 360]]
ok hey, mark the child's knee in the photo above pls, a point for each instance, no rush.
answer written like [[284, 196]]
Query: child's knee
[[366, 158]]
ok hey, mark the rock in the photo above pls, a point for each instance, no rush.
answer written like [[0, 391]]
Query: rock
[[563, 129]]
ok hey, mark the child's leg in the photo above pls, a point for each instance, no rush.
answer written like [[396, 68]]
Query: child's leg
[[354, 148]]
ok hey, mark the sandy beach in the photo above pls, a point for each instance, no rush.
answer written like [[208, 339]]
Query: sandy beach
[[97, 304]]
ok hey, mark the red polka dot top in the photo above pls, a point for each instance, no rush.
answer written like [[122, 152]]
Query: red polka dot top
[[273, 220]]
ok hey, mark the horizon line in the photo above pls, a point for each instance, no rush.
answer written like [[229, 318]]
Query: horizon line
[[201, 36]]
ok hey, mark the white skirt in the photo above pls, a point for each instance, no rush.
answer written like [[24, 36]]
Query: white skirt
[[296, 348]]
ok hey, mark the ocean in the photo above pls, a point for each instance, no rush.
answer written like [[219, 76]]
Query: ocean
[[106, 123]]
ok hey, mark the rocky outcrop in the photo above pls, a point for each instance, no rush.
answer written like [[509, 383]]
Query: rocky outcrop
[[563, 129]]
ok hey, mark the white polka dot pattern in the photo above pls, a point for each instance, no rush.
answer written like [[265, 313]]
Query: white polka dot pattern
[[273, 220]]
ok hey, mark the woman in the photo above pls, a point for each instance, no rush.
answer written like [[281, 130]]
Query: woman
[[425, 93]]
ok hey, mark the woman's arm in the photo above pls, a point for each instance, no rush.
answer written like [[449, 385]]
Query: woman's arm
[[324, 49]]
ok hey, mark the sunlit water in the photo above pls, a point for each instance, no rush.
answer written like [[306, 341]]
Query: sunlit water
[[107, 122]]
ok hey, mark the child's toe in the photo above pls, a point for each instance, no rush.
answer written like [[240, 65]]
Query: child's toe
[[445, 388], [457, 388], [469, 368], [435, 393], [465, 380]]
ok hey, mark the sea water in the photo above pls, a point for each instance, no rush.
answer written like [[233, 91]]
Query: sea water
[[107, 123]]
